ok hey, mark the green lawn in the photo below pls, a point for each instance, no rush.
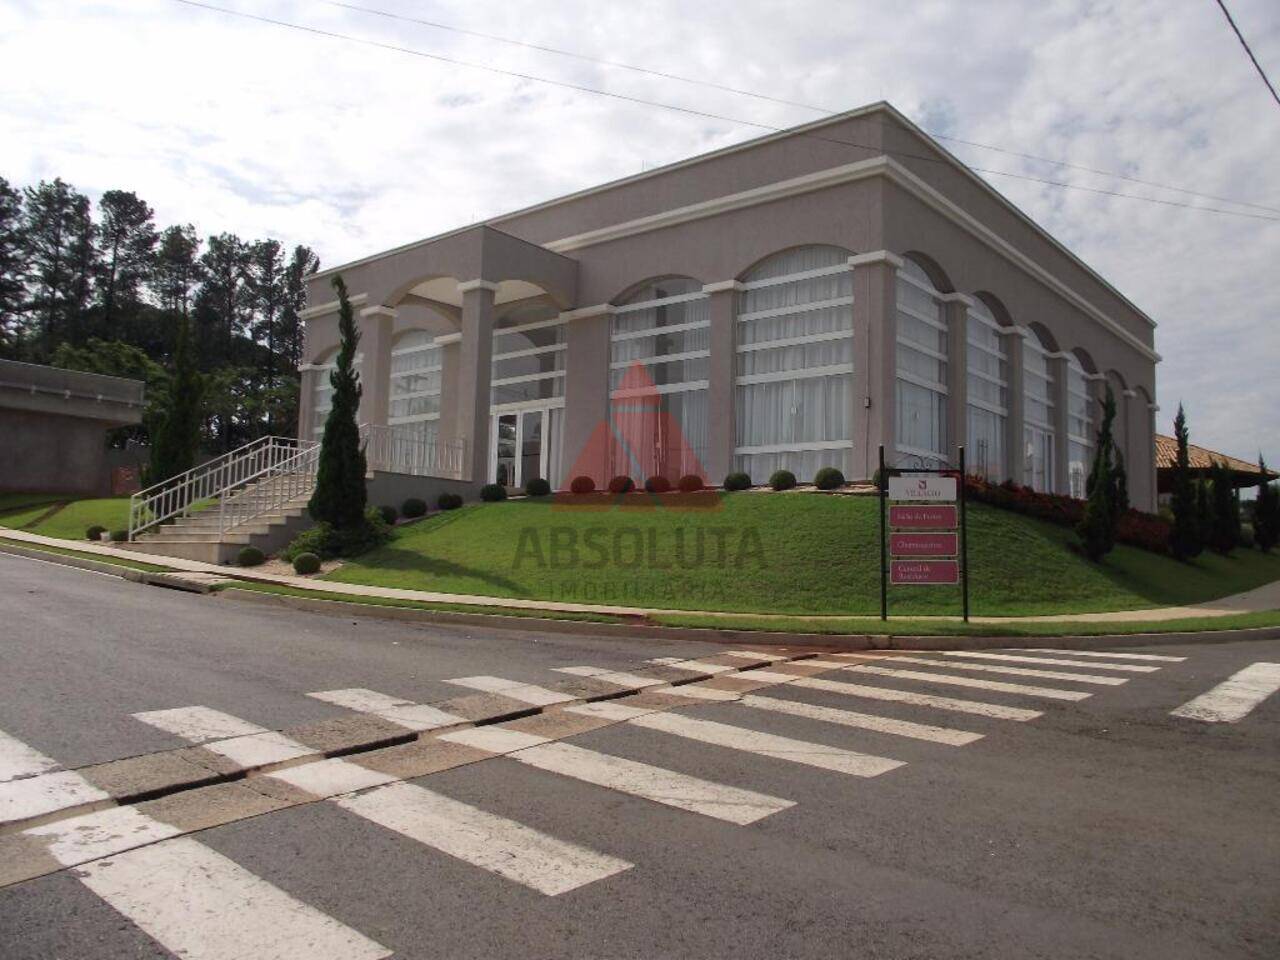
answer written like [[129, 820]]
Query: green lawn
[[9, 502], [71, 521], [775, 554], [19, 517]]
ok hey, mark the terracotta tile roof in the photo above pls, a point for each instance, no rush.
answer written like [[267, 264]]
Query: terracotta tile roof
[[1201, 459]]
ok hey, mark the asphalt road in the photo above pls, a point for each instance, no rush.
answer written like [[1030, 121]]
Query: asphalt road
[[1104, 827]]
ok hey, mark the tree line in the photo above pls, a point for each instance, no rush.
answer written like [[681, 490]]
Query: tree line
[[103, 288]]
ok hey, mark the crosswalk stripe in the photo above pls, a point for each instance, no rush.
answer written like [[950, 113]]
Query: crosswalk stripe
[[1108, 654], [1234, 698], [720, 801], [864, 721], [46, 794], [1016, 671], [494, 739], [198, 904], [770, 676], [18, 760], [693, 666], [1051, 661], [485, 840], [418, 717], [619, 677], [1047, 692], [701, 692], [102, 833], [524, 692], [754, 655], [329, 778], [768, 744], [198, 724], [996, 711]]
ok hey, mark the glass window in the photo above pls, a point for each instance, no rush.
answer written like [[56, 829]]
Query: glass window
[[987, 394], [322, 391], [794, 364], [659, 350], [1038, 432], [1079, 428], [922, 343], [528, 356]]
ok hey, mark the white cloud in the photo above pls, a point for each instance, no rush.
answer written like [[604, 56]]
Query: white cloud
[[255, 129]]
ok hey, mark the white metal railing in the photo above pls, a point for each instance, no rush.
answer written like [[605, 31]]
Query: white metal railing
[[212, 485], [279, 483], [393, 451]]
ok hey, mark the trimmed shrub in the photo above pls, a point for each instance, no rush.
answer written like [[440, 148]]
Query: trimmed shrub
[[782, 480], [449, 501], [327, 542], [493, 492], [119, 536], [657, 484], [95, 532], [413, 507], [305, 564], [828, 478], [581, 485], [537, 487], [389, 515], [250, 557], [690, 483], [737, 481], [621, 484]]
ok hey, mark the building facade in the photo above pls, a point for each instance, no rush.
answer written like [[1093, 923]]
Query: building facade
[[793, 302]]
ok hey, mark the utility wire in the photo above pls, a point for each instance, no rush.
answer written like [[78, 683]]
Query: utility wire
[[1244, 43], [662, 74], [330, 34]]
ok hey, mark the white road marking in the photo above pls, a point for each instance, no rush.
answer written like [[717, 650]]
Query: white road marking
[[259, 749], [45, 794], [332, 777], [1015, 671], [18, 760], [1047, 692], [700, 692], [997, 711], [693, 666], [103, 833], [770, 676], [412, 716], [524, 692], [754, 655], [198, 724], [1108, 653], [485, 840], [769, 745], [493, 739], [732, 804], [198, 904], [1234, 698], [1051, 661], [612, 676], [610, 711], [864, 721]]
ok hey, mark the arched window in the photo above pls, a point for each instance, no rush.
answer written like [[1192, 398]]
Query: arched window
[[1038, 435], [659, 349], [987, 394], [1079, 427], [794, 364], [922, 366], [414, 411]]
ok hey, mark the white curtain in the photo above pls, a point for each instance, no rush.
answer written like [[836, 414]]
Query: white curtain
[[921, 413]]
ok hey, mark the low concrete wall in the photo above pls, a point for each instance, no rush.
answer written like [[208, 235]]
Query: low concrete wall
[[47, 453], [392, 489]]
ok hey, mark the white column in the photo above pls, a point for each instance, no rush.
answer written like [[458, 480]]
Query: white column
[[956, 307], [875, 357], [1015, 442], [376, 324], [721, 413], [1061, 448], [585, 448], [475, 357]]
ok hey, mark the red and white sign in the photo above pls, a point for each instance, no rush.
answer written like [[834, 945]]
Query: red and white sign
[[926, 517], [923, 544], [923, 487], [924, 571]]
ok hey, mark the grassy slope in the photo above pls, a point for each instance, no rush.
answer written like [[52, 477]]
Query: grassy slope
[[10, 502], [816, 554], [71, 521]]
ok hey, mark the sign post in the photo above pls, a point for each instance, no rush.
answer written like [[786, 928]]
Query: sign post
[[923, 530]]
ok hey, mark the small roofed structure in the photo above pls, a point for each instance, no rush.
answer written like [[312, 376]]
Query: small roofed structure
[[1244, 473]]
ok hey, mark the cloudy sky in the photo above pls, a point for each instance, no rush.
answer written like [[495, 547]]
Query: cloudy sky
[[263, 130]]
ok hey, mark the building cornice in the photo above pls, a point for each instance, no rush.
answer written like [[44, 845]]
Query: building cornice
[[466, 286], [723, 286], [379, 311], [876, 256], [331, 307], [599, 310], [445, 339]]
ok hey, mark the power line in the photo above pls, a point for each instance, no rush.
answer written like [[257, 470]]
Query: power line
[[665, 75], [409, 51], [1244, 43]]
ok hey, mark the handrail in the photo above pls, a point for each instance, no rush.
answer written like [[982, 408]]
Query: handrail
[[386, 449], [273, 486]]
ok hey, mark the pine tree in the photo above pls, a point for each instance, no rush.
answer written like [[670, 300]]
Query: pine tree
[[1266, 512], [127, 245], [177, 270], [1224, 512], [1097, 529], [13, 267], [1185, 537], [58, 229], [267, 289], [177, 438], [340, 496]]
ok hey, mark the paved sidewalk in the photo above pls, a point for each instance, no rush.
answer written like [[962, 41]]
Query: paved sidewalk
[[1266, 597]]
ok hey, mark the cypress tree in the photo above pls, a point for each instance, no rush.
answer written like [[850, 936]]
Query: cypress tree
[[340, 496], [177, 438], [1204, 515], [1266, 512], [1185, 537], [1120, 484], [1224, 515], [1097, 529]]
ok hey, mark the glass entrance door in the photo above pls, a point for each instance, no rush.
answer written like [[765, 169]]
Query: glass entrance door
[[519, 452], [506, 429]]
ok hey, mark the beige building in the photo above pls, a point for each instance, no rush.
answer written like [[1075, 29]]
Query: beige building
[[795, 301]]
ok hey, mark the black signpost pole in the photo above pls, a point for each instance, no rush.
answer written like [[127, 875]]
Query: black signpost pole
[[883, 483], [964, 541]]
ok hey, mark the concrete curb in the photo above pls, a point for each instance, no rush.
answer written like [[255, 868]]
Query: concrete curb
[[83, 563], [827, 641]]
